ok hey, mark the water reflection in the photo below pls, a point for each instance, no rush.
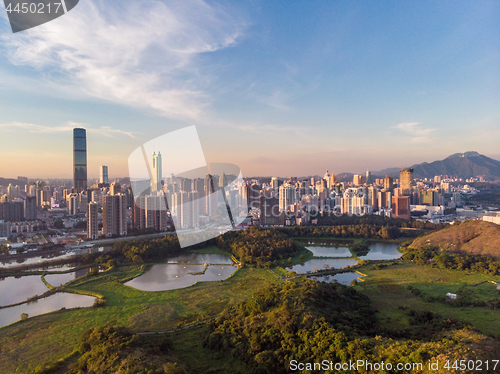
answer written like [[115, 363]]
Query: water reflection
[[15, 290], [322, 251], [200, 258], [45, 305], [343, 278], [382, 251], [57, 280], [32, 257], [163, 277], [319, 264]]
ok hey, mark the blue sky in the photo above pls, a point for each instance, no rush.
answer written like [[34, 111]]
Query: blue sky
[[278, 88]]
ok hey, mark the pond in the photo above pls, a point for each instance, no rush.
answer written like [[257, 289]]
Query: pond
[[343, 278], [322, 251], [4, 263], [382, 251], [57, 280], [200, 258], [319, 264], [45, 305], [327, 242], [32, 257], [15, 290], [51, 268], [163, 277]]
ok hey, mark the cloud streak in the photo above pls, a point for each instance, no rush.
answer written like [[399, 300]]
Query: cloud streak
[[141, 53], [418, 133], [33, 128]]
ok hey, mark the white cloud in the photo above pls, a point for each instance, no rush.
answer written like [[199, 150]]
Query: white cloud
[[140, 53], [418, 133], [33, 128]]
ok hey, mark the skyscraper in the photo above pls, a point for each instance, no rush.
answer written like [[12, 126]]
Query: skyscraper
[[405, 181], [333, 179], [114, 215], [80, 159], [156, 175], [368, 179], [286, 197], [30, 208], [401, 207], [92, 224], [357, 180], [103, 178], [388, 183]]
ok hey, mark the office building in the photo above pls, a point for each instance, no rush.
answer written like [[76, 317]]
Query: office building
[[286, 197], [333, 180], [186, 185], [401, 207], [368, 178], [275, 183], [80, 159], [354, 202], [357, 180], [388, 183], [92, 222], [4, 229], [211, 198], [72, 204], [30, 211], [269, 210], [188, 210], [156, 172], [103, 177], [12, 211], [115, 188], [406, 181], [114, 215]]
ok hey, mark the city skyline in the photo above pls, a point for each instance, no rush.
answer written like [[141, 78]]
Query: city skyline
[[277, 89]]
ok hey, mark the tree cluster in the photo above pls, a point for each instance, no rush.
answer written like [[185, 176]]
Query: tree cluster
[[258, 246], [313, 321], [431, 255], [374, 220], [310, 321], [366, 231], [115, 349]]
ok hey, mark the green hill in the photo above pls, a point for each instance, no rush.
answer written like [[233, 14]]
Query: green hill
[[472, 237]]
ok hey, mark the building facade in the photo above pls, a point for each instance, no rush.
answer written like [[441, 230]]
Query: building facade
[[80, 159]]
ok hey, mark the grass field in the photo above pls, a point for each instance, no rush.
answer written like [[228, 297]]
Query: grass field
[[46, 338], [387, 288], [25, 345]]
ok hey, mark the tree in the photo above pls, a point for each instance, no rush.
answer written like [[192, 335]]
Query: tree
[[81, 225], [58, 224]]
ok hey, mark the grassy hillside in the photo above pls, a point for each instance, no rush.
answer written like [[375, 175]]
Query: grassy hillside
[[473, 237]]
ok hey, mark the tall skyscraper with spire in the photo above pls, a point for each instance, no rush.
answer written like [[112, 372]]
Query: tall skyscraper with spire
[[80, 159], [156, 175]]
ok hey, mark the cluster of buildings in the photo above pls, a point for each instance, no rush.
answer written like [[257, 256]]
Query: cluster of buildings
[[295, 201], [168, 203]]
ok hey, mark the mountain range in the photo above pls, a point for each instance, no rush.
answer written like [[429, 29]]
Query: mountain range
[[462, 165]]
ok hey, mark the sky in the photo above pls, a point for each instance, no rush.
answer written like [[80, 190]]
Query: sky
[[284, 88]]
